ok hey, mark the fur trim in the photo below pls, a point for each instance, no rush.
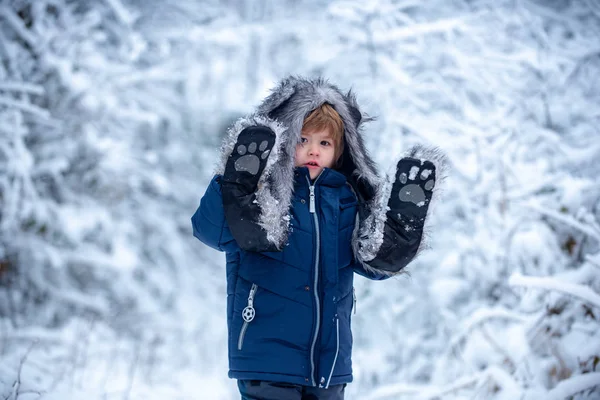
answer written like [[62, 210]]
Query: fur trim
[[275, 186], [439, 159], [368, 237]]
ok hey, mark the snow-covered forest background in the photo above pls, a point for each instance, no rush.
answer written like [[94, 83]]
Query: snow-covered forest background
[[111, 113]]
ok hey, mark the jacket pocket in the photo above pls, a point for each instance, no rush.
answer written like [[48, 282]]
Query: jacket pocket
[[348, 202], [347, 212], [248, 314], [345, 252]]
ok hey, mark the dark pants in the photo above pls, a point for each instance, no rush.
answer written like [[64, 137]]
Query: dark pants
[[262, 390]]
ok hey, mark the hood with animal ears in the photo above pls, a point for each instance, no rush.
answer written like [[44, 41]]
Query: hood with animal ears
[[284, 111]]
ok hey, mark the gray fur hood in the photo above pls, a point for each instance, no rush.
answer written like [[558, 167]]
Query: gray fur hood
[[284, 111]]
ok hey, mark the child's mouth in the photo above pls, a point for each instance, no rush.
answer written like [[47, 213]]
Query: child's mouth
[[312, 164]]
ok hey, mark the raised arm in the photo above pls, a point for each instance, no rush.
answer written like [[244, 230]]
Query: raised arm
[[209, 223], [393, 234], [242, 207]]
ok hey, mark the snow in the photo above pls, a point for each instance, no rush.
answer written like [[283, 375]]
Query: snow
[[574, 385], [581, 291], [111, 115], [445, 291], [412, 175]]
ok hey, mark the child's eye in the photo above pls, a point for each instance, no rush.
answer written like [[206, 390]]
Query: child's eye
[[325, 143], [303, 140]]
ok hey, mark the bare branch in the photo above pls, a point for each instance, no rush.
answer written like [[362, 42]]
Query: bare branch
[[17, 384]]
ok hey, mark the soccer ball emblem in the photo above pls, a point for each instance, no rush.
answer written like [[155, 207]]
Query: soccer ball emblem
[[248, 314]]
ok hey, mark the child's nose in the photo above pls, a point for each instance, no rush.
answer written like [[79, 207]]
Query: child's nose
[[313, 150]]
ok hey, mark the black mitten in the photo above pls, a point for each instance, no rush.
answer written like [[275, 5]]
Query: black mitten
[[408, 204], [239, 184]]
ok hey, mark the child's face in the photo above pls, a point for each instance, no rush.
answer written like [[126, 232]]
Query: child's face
[[316, 151]]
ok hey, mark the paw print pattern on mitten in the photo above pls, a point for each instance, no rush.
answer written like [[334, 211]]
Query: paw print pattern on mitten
[[244, 168], [251, 162], [413, 192], [249, 157]]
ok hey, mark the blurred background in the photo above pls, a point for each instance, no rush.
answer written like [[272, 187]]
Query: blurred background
[[111, 117]]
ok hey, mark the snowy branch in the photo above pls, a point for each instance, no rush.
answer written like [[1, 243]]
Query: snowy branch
[[574, 385], [580, 291], [481, 316], [14, 21], [25, 106], [415, 30], [567, 220], [594, 260], [21, 87], [124, 15], [493, 373]]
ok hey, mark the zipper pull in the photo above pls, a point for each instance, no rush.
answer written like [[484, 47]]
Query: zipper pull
[[248, 313], [354, 300], [251, 295], [312, 199]]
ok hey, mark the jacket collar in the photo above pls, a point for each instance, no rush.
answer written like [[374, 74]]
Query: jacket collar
[[329, 177]]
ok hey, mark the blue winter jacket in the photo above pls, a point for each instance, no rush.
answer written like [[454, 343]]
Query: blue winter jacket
[[302, 297], [289, 312]]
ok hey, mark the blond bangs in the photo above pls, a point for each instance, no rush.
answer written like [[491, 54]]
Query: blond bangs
[[326, 118]]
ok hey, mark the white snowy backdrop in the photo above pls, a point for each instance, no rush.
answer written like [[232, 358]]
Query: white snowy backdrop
[[111, 113]]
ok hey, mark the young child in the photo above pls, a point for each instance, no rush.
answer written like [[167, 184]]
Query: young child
[[298, 208]]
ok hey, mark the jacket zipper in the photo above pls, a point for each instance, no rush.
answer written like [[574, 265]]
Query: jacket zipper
[[248, 314], [312, 199], [337, 349], [312, 209]]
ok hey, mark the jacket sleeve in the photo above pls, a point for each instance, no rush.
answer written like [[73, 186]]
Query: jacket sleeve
[[208, 222]]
